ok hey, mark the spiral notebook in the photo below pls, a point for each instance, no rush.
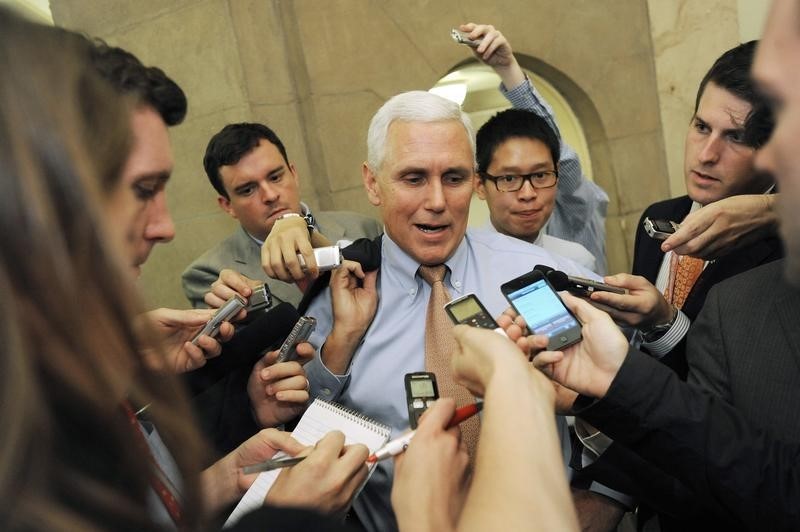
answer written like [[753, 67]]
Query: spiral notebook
[[319, 419]]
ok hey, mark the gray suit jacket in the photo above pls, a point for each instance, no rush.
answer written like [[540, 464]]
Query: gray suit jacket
[[239, 252], [745, 348]]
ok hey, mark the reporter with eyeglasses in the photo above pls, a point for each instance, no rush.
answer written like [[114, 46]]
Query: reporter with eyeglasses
[[553, 211], [517, 154]]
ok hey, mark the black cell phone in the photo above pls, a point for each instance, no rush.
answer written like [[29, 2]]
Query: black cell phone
[[470, 311], [421, 390], [659, 229], [300, 333], [535, 299]]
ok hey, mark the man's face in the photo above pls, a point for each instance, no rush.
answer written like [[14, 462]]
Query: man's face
[[777, 73], [424, 188], [260, 187], [523, 213], [138, 208], [717, 164]]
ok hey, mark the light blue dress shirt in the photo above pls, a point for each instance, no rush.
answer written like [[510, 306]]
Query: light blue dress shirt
[[395, 342], [581, 205]]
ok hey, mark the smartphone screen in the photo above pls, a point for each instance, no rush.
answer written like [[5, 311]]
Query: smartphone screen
[[544, 312]]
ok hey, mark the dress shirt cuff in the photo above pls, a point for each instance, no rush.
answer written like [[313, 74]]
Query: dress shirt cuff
[[625, 500], [323, 383], [594, 442], [671, 338]]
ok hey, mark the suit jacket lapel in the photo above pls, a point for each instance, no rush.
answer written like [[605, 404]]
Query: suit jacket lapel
[[244, 247], [650, 253], [329, 227]]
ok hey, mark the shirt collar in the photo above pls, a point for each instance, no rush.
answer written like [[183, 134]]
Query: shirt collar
[[406, 267]]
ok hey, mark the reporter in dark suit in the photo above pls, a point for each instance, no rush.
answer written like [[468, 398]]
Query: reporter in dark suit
[[730, 123], [733, 466]]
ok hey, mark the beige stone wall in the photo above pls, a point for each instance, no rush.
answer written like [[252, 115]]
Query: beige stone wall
[[316, 70], [685, 46]]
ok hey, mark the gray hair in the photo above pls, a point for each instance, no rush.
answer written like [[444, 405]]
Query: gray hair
[[413, 106]]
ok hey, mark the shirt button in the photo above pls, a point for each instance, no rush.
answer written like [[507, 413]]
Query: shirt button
[[412, 292], [326, 391], [457, 284]]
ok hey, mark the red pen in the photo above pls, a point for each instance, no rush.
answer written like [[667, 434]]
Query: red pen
[[398, 445]]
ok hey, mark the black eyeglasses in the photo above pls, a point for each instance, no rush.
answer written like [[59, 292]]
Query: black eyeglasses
[[512, 183]]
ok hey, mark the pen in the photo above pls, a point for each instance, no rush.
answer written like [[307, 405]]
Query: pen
[[398, 445], [270, 465]]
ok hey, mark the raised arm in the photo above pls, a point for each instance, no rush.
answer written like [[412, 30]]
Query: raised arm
[[581, 204]]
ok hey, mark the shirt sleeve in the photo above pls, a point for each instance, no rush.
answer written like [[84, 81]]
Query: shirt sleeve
[[671, 338], [322, 381]]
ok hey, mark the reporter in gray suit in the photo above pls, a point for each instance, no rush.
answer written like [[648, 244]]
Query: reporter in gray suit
[[247, 165]]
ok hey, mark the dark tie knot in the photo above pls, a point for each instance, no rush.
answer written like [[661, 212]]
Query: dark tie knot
[[433, 274]]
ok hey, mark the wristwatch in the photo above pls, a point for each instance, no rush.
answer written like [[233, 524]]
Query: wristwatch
[[655, 332], [309, 219]]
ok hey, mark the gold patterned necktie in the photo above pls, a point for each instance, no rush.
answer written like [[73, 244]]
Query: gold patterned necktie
[[683, 273], [439, 347]]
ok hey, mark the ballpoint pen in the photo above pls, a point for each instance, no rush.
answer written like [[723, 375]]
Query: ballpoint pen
[[398, 445]]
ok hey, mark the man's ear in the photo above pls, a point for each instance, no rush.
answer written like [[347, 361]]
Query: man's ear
[[480, 186], [371, 184], [293, 171], [225, 204]]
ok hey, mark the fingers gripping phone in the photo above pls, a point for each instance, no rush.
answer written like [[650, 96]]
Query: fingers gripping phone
[[300, 333], [225, 313], [421, 391], [534, 298], [659, 229]]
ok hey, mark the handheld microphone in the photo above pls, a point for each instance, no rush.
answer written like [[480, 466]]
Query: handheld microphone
[[246, 346]]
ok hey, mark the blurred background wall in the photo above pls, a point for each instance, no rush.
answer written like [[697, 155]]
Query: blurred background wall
[[622, 73]]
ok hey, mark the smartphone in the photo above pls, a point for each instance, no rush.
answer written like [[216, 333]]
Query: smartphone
[[535, 299], [659, 229], [300, 333], [421, 391], [470, 311], [259, 299], [327, 258], [225, 313], [461, 38]]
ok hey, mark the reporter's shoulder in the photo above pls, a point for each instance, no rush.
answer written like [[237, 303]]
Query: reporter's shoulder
[[666, 208], [764, 281], [350, 220], [216, 257], [570, 250]]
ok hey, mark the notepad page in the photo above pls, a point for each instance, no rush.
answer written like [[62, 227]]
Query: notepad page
[[319, 419]]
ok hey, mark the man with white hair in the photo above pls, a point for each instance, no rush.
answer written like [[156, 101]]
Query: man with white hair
[[419, 172]]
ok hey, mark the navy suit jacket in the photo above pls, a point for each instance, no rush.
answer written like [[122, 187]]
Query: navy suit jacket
[[647, 258]]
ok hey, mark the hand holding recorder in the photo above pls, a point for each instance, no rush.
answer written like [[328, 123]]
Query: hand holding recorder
[[178, 335], [229, 283], [277, 387], [494, 50]]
